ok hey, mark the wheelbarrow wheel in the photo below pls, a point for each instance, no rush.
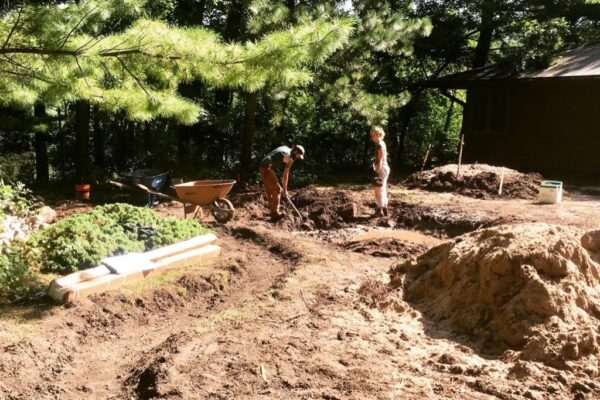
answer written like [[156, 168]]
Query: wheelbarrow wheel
[[222, 210]]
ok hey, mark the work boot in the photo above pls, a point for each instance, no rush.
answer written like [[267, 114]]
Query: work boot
[[276, 216], [385, 211], [378, 212]]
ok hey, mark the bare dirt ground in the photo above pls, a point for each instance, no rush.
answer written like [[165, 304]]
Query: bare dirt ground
[[297, 309]]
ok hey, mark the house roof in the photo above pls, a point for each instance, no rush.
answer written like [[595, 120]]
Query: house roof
[[579, 62]]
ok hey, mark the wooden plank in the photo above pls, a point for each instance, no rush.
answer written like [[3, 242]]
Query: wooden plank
[[100, 284], [194, 257], [81, 276], [154, 255], [127, 263], [187, 245]]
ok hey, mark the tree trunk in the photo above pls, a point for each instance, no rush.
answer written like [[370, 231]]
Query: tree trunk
[[448, 117], [233, 24], [82, 140], [98, 139], [486, 32], [42, 175], [190, 12], [408, 114], [218, 133], [291, 5], [182, 141], [248, 131]]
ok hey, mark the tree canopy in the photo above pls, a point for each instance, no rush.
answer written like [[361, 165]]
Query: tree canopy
[[206, 87], [69, 52]]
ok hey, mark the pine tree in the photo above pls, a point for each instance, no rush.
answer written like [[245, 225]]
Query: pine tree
[[70, 52]]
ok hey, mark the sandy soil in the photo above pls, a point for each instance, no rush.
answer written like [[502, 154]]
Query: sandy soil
[[290, 312]]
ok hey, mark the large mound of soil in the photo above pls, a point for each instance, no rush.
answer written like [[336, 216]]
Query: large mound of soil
[[528, 287], [477, 180]]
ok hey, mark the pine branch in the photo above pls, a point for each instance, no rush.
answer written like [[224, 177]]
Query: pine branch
[[134, 77], [14, 27], [127, 52], [82, 73], [64, 42], [84, 47], [25, 75], [24, 67], [37, 50], [277, 50]]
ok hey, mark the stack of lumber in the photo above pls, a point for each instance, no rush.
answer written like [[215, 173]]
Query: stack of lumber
[[117, 271]]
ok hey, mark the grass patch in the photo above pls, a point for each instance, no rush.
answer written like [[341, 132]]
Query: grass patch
[[20, 321], [137, 289], [225, 320]]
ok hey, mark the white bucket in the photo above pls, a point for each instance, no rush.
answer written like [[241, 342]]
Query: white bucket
[[550, 192]]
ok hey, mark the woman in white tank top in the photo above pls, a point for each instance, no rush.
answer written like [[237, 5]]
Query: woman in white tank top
[[380, 165]]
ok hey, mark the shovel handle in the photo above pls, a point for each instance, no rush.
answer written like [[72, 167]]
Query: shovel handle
[[287, 197]]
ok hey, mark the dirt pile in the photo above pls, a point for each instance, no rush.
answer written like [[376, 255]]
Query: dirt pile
[[321, 208], [326, 209], [155, 376], [477, 180], [528, 287]]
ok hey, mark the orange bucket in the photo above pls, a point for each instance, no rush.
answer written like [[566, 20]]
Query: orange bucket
[[82, 192]]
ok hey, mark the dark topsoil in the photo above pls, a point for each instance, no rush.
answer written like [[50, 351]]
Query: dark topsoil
[[334, 209], [477, 180]]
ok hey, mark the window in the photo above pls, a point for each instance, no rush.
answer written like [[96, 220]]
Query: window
[[489, 110]]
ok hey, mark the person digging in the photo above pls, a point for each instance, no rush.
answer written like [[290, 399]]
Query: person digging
[[281, 158]]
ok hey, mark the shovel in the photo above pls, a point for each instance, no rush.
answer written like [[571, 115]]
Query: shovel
[[287, 197], [294, 207]]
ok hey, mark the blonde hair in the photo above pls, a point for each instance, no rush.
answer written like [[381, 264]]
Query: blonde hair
[[379, 131]]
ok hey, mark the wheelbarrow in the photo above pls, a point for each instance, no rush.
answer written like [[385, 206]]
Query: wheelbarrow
[[152, 179], [196, 194]]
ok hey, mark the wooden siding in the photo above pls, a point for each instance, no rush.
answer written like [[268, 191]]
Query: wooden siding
[[550, 126]]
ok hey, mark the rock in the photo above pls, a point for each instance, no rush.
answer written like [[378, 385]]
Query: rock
[[552, 388], [591, 384], [520, 370], [456, 369], [386, 222], [348, 211], [447, 359], [562, 379], [530, 394], [47, 215], [580, 387]]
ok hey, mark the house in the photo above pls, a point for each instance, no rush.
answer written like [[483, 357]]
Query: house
[[534, 121]]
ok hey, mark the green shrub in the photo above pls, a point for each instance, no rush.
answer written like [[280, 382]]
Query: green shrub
[[81, 241], [17, 167], [15, 199], [15, 280], [78, 242]]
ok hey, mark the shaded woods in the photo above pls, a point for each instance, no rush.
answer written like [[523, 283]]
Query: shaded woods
[[277, 79]]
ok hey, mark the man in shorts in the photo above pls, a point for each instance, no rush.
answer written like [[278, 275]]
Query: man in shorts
[[282, 158]]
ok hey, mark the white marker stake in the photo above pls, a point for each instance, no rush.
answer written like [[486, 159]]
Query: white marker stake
[[501, 181]]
